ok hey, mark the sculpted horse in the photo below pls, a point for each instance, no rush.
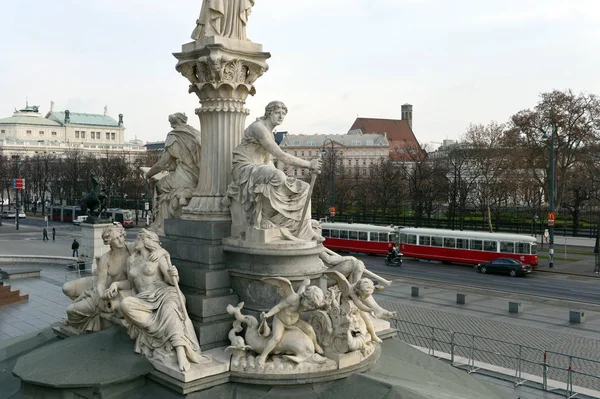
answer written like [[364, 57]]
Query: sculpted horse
[[94, 201]]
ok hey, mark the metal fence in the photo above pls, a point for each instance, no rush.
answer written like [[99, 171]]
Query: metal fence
[[561, 373]]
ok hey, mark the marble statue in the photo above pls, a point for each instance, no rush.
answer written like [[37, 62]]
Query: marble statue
[[181, 158], [91, 299], [291, 342], [348, 266], [155, 314], [263, 194], [361, 295], [226, 18]]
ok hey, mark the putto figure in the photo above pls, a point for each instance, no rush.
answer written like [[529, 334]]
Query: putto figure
[[267, 197], [227, 18], [156, 316], [286, 314], [182, 159], [90, 294]]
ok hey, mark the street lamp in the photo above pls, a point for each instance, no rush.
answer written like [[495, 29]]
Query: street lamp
[[534, 222], [331, 173], [552, 210], [17, 159]]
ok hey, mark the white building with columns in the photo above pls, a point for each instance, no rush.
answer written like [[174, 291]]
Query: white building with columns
[[27, 133]]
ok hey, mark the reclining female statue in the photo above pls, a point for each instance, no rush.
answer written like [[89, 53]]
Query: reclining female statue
[[267, 196], [155, 314]]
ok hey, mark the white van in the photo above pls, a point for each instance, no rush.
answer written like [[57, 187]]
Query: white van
[[79, 220]]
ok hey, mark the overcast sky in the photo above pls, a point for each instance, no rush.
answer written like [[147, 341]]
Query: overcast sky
[[458, 62]]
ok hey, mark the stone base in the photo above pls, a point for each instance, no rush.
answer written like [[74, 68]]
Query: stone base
[[91, 245], [234, 44], [207, 368], [383, 328]]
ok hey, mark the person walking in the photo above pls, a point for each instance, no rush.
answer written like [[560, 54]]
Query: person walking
[[45, 235], [75, 248], [53, 234]]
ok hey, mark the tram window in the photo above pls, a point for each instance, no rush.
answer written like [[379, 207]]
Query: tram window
[[384, 237], [507, 247], [425, 240], [477, 245], [344, 234], [533, 249], [490, 246], [522, 248], [325, 233], [335, 234], [393, 237], [437, 241], [462, 243], [449, 242], [403, 239], [363, 236], [411, 238], [353, 235]]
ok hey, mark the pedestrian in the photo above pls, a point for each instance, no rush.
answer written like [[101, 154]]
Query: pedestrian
[[53, 234], [75, 248], [45, 235]]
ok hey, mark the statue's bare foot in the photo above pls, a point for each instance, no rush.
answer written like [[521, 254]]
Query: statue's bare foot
[[260, 361], [265, 224], [184, 364], [377, 339], [318, 349], [65, 322]]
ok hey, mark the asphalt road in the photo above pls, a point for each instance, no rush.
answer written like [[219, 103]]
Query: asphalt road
[[556, 286]]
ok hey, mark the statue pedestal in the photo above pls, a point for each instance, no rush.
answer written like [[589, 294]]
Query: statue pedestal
[[91, 245], [249, 261], [197, 252]]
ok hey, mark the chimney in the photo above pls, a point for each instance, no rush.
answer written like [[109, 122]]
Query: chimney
[[407, 114]]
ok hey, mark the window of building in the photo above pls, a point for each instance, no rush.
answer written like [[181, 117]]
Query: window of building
[[112, 136], [364, 162], [349, 162], [54, 133], [76, 134], [302, 152], [369, 142], [312, 143], [364, 172], [370, 162], [356, 162], [295, 153], [107, 136], [82, 134], [302, 173], [29, 132], [310, 153], [41, 132], [2, 131], [295, 172], [296, 142]]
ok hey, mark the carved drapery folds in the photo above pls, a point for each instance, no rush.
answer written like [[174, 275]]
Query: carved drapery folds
[[222, 78]]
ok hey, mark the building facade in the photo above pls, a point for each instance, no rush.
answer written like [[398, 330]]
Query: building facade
[[27, 133]]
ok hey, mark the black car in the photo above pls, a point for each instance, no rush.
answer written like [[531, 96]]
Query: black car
[[509, 266]]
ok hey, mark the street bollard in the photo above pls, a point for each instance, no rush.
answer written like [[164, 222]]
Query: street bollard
[[460, 299], [414, 291]]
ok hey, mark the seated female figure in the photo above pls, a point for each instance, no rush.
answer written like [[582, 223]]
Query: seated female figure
[[155, 314]]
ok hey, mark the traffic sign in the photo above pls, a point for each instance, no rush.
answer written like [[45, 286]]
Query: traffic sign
[[19, 184]]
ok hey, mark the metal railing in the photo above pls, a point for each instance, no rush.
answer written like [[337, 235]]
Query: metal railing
[[561, 373], [77, 270]]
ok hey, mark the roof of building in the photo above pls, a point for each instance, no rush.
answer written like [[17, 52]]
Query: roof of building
[[77, 118], [28, 116], [396, 130], [317, 140]]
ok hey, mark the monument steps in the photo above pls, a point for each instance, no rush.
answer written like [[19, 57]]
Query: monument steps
[[7, 296]]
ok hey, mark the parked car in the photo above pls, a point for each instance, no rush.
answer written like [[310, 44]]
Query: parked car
[[22, 215], [8, 214], [80, 219], [509, 266]]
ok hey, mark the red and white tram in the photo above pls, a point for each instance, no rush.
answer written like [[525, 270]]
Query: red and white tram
[[356, 237], [471, 247]]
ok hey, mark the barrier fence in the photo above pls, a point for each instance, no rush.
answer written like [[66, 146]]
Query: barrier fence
[[561, 373]]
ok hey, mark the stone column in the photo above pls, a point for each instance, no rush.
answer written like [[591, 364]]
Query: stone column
[[222, 72]]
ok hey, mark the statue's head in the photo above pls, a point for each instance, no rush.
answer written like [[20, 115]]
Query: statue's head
[[114, 235], [275, 112], [312, 297], [177, 119], [364, 288], [147, 239]]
